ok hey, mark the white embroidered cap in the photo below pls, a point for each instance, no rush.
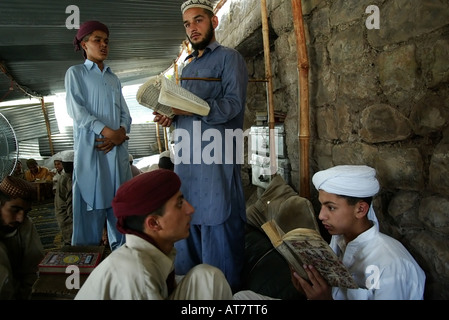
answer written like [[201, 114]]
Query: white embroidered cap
[[205, 4]]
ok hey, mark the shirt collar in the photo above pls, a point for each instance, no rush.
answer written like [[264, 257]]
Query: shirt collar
[[211, 47], [90, 65], [357, 243]]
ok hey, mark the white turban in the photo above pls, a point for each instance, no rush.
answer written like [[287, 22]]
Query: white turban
[[357, 181], [67, 155]]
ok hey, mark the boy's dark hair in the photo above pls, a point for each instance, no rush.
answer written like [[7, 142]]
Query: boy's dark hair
[[353, 200], [136, 222], [166, 163], [68, 166]]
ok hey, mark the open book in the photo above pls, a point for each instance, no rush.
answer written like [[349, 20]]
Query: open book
[[306, 246], [161, 95]]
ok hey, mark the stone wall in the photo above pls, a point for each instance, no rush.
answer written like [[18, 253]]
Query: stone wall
[[377, 97]]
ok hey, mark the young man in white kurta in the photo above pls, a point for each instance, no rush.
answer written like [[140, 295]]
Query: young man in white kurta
[[381, 266]]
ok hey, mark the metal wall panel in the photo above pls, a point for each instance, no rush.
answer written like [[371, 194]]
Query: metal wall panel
[[142, 141], [28, 120]]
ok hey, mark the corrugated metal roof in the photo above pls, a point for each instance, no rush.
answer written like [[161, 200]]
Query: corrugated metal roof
[[36, 44], [36, 50]]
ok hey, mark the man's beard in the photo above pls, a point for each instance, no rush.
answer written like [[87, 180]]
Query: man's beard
[[205, 42], [6, 229]]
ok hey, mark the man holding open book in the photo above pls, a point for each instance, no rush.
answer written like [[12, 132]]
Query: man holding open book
[[211, 180]]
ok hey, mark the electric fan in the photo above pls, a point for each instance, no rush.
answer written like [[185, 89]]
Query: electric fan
[[9, 148]]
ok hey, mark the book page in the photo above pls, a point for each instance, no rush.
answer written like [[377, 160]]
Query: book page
[[275, 234], [148, 96], [306, 246], [313, 250], [180, 98], [293, 259]]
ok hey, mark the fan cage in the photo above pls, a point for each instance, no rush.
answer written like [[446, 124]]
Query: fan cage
[[9, 148]]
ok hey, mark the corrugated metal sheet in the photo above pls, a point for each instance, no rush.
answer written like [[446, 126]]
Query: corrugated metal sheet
[[29, 125], [36, 50], [31, 132], [142, 141], [36, 43], [28, 120]]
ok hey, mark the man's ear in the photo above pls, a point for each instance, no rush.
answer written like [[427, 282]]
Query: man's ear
[[83, 45], [151, 222], [214, 22], [362, 208]]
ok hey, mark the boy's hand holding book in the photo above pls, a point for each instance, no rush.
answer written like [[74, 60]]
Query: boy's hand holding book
[[316, 288]]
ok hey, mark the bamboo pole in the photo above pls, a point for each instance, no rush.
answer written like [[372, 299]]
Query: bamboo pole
[[303, 114], [268, 76], [219, 79], [159, 145], [165, 138], [47, 124]]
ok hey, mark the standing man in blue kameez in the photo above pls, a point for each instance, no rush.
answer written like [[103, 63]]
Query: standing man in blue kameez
[[101, 121], [211, 181]]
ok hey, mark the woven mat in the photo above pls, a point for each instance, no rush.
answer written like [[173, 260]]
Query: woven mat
[[43, 217]]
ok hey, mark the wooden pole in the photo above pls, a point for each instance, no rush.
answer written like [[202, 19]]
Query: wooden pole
[[165, 138], [303, 113], [159, 145], [268, 75], [47, 124]]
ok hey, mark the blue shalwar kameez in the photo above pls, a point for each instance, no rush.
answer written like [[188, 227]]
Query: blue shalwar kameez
[[95, 100], [208, 163]]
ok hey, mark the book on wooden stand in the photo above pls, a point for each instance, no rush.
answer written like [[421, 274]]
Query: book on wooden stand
[[161, 95], [58, 261], [61, 285], [303, 246]]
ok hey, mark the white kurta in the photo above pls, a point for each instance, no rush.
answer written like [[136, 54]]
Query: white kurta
[[381, 266], [138, 271]]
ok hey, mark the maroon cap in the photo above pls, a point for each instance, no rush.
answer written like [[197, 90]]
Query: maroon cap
[[87, 28], [144, 194]]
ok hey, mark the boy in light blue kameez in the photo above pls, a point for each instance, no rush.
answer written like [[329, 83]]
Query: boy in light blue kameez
[[101, 121]]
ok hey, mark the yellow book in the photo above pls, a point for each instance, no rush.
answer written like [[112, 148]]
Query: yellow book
[[303, 246]]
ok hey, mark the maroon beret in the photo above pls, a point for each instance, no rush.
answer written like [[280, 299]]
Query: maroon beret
[[87, 28], [144, 194]]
